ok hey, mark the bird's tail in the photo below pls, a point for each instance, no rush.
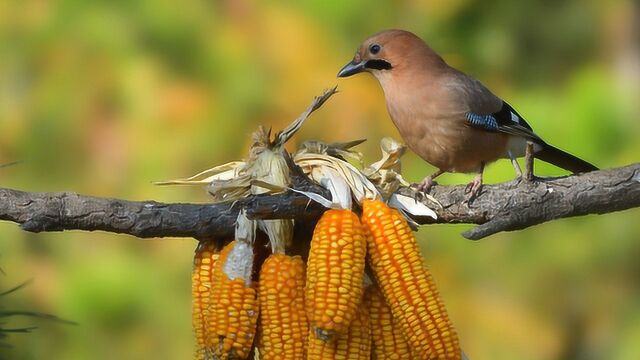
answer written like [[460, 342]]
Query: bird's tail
[[563, 159]]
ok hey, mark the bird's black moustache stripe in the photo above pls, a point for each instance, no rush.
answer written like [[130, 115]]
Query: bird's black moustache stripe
[[378, 64]]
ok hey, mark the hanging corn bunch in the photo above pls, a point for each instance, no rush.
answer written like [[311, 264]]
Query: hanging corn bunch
[[204, 262], [388, 341], [334, 272], [353, 344], [319, 312], [283, 321], [283, 326], [335, 268], [407, 285], [266, 171], [233, 304]]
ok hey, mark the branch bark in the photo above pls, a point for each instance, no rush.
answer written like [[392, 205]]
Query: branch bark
[[502, 207]]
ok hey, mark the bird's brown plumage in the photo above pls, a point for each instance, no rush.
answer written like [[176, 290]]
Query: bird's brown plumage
[[426, 101], [448, 118]]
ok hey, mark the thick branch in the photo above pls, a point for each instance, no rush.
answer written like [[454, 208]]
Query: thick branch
[[520, 204], [502, 207]]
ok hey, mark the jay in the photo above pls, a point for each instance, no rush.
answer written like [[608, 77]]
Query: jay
[[448, 118]]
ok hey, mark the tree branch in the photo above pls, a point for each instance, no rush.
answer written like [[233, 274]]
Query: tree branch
[[502, 207], [520, 204]]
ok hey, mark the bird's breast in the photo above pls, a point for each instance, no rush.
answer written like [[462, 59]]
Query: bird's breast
[[440, 135]]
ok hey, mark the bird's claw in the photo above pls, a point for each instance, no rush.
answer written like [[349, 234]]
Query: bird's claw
[[474, 187], [420, 196], [421, 189], [417, 194], [426, 185]]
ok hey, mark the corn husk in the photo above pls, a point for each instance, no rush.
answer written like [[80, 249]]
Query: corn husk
[[286, 134], [228, 171], [386, 173], [410, 207], [342, 179], [392, 151], [340, 150], [232, 180], [225, 182], [268, 165], [239, 262]]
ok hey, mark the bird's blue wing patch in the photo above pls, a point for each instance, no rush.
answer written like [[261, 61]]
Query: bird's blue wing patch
[[487, 122], [505, 120]]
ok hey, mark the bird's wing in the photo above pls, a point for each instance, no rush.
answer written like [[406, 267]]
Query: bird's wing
[[486, 111], [505, 120]]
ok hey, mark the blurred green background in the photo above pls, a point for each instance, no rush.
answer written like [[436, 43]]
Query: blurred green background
[[104, 97]]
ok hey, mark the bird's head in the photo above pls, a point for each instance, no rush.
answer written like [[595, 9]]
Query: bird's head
[[389, 51]]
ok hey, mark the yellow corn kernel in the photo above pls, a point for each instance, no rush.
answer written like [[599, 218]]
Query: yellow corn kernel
[[407, 284], [387, 340], [335, 271], [354, 344], [282, 326], [204, 261], [233, 308]]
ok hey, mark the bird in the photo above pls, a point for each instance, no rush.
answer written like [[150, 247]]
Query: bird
[[448, 118]]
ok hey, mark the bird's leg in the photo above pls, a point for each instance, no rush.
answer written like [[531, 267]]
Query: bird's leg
[[474, 186], [515, 164], [528, 162], [427, 183]]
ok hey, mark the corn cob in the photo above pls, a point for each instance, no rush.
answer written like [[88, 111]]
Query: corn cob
[[407, 285], [335, 272], [233, 304], [387, 340], [204, 261], [283, 327], [354, 344]]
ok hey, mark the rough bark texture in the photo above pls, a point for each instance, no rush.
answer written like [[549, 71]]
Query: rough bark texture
[[520, 204], [501, 207]]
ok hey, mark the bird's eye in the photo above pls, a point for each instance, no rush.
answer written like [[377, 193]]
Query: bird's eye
[[374, 49]]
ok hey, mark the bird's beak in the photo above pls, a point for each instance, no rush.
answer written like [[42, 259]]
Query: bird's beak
[[351, 68]]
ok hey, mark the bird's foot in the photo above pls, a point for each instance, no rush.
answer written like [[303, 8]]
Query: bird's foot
[[426, 185], [474, 187], [526, 179], [423, 188]]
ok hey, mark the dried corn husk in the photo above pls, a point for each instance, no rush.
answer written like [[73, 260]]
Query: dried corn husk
[[337, 176], [232, 180], [386, 175], [340, 150], [386, 172]]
